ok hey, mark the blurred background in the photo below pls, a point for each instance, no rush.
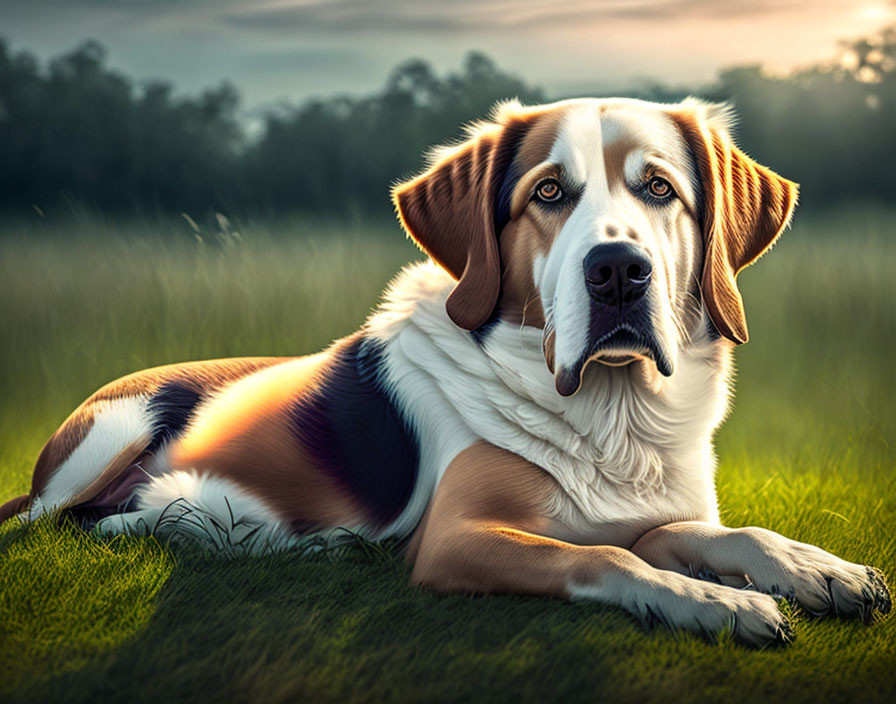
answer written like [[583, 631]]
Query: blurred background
[[262, 108]]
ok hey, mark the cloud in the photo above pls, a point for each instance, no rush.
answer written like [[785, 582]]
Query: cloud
[[488, 16], [411, 17]]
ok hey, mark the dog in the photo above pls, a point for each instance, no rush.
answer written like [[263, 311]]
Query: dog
[[531, 410]]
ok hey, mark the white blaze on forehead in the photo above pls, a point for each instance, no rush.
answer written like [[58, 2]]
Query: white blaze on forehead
[[578, 148], [579, 143]]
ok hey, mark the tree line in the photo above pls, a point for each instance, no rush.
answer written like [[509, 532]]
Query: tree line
[[74, 130]]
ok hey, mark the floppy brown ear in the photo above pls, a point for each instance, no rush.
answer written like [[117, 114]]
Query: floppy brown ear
[[450, 212], [745, 208]]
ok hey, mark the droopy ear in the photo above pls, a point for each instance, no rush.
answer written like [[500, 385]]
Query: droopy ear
[[745, 207], [450, 211]]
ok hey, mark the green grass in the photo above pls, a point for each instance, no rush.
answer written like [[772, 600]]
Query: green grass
[[809, 451]]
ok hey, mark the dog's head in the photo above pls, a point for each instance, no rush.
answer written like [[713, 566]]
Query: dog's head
[[617, 226]]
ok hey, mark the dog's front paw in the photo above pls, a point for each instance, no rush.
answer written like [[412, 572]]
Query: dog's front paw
[[880, 600], [752, 618], [819, 582]]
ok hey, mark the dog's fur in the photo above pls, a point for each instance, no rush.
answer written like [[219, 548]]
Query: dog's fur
[[488, 411]]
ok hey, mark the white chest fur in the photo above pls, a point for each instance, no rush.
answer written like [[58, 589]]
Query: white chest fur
[[621, 451]]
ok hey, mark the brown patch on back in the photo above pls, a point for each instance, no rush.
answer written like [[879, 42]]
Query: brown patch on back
[[205, 376], [246, 438]]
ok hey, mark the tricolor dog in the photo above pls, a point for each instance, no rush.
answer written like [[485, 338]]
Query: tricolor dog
[[532, 408]]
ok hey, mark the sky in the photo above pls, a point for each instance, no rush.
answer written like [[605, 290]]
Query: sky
[[277, 50]]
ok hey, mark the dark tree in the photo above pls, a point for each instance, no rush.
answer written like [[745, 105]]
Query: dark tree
[[76, 131]]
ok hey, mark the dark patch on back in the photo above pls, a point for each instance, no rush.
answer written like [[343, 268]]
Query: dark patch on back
[[171, 406], [353, 430]]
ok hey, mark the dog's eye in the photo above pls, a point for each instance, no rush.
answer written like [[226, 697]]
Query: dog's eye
[[549, 191], [660, 188]]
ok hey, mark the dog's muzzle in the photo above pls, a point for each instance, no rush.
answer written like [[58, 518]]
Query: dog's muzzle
[[617, 277]]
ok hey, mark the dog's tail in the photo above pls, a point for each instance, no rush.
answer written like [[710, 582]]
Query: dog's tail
[[95, 461], [14, 506]]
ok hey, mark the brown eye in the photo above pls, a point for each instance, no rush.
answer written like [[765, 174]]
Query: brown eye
[[549, 191], [660, 188]]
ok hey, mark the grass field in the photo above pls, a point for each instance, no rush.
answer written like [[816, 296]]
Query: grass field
[[809, 451]]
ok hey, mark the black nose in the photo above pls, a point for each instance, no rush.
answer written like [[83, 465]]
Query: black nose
[[617, 273]]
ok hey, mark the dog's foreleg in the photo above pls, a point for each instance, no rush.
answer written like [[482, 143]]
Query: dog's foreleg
[[820, 582], [480, 537], [479, 557]]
